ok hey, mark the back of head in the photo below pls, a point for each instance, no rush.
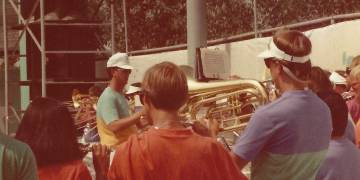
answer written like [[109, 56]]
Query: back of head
[[48, 128], [166, 86], [339, 112], [295, 44], [95, 91], [319, 80]]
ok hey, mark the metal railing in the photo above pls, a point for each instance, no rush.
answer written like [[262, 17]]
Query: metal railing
[[254, 34]]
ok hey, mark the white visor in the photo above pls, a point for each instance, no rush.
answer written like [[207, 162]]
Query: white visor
[[274, 52], [336, 78], [133, 89]]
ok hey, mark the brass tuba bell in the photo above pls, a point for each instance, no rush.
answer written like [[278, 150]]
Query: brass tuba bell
[[230, 102]]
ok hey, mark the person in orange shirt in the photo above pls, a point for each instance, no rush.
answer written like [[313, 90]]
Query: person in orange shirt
[[168, 150], [48, 128]]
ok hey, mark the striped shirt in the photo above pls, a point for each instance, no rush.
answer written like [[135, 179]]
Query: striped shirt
[[288, 138]]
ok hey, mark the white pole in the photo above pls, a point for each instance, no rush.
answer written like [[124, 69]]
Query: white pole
[[196, 25], [6, 103], [112, 6], [255, 19], [42, 50], [125, 23]]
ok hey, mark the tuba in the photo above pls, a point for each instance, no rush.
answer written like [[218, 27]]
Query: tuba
[[230, 102]]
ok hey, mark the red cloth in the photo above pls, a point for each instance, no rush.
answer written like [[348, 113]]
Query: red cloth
[[75, 170], [170, 154]]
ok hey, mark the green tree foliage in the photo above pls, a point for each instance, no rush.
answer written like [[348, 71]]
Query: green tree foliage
[[274, 13], [228, 17], [155, 23], [159, 23]]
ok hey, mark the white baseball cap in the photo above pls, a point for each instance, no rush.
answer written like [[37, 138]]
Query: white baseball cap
[[274, 52], [336, 78], [119, 60]]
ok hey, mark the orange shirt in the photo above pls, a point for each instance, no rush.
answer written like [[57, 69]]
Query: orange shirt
[[172, 154], [75, 170]]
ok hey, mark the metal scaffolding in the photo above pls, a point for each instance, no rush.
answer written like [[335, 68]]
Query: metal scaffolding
[[6, 62], [25, 22]]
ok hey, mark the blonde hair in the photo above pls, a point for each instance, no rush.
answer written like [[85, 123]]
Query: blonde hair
[[355, 74], [355, 61], [165, 85]]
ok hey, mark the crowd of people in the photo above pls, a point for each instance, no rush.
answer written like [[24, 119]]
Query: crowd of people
[[310, 131]]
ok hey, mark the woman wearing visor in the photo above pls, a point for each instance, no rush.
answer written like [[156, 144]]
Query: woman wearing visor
[[287, 138]]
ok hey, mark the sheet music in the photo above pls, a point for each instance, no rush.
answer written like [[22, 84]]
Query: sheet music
[[214, 65]]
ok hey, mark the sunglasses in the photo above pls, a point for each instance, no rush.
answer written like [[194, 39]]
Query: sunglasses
[[128, 71], [268, 62]]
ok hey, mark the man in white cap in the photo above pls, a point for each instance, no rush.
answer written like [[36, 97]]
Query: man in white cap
[[289, 137], [112, 114]]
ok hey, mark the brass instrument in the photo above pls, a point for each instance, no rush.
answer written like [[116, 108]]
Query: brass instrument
[[85, 107], [230, 102]]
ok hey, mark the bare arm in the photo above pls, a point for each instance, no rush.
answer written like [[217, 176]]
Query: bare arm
[[101, 160], [240, 162], [124, 123]]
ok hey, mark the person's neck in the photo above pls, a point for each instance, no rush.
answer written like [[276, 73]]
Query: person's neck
[[284, 86], [165, 119], [115, 86]]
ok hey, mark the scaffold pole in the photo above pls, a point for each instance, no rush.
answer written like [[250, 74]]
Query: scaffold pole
[[6, 63]]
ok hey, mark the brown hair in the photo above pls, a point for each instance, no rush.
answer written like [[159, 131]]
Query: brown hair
[[294, 43], [165, 85], [95, 91], [320, 81], [339, 112]]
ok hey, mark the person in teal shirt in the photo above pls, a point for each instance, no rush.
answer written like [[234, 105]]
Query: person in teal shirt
[[114, 122], [17, 160]]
